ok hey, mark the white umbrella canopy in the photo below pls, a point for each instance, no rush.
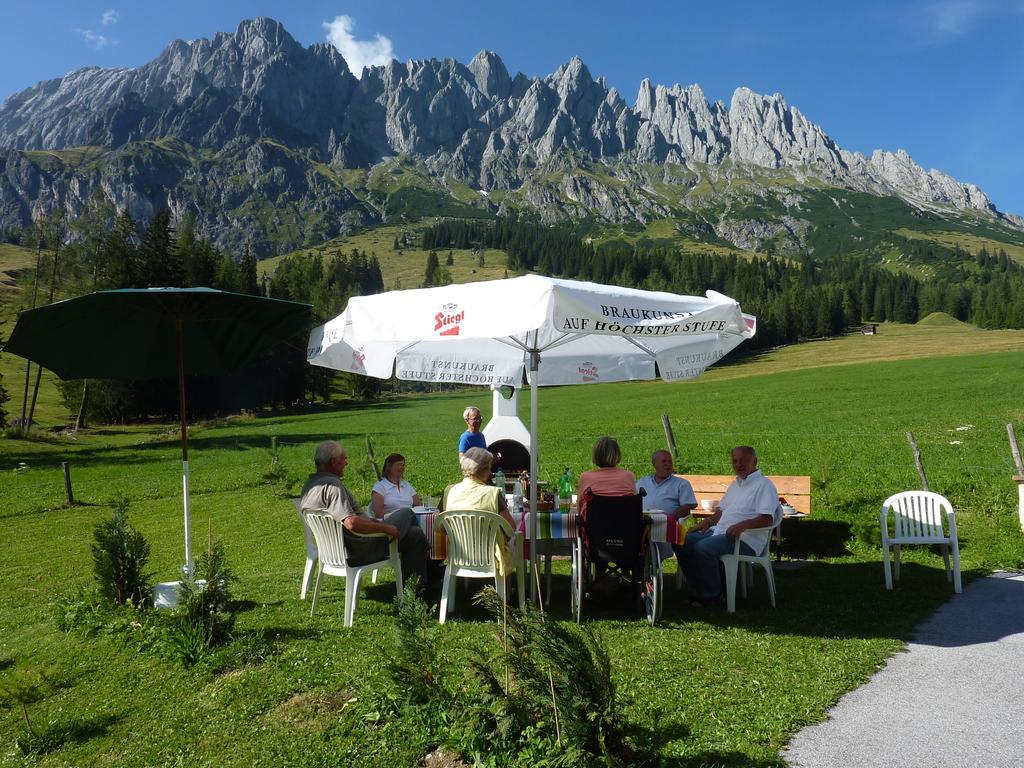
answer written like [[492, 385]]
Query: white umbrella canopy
[[483, 333], [551, 331]]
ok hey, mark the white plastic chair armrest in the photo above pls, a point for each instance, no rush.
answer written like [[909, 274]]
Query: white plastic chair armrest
[[951, 518]]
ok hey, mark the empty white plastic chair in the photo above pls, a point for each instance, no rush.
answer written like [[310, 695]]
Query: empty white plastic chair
[[732, 564], [333, 561], [311, 552], [917, 519], [472, 535]]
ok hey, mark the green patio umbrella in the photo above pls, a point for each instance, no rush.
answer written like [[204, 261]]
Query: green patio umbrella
[[145, 333]]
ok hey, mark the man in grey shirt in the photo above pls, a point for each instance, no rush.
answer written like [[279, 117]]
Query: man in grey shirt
[[324, 492]]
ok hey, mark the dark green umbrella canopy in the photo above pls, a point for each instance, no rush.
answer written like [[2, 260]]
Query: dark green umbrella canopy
[[133, 333], [144, 333]]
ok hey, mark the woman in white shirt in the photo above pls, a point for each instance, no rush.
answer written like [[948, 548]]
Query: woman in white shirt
[[391, 492]]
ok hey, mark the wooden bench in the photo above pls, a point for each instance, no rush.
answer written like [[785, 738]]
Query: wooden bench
[[795, 489]]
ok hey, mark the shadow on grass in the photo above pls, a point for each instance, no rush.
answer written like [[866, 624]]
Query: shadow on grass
[[276, 634], [143, 453], [720, 760], [821, 599], [62, 732], [243, 606], [815, 538]]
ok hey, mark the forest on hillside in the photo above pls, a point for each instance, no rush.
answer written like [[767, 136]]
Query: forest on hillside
[[793, 299]]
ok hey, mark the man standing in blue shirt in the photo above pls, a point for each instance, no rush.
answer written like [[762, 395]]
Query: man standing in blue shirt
[[667, 492], [472, 437]]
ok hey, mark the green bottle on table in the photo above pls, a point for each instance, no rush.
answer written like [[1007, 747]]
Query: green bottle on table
[[565, 491]]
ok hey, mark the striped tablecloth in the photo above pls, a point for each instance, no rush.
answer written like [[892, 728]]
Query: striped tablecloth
[[435, 534], [552, 525], [564, 525]]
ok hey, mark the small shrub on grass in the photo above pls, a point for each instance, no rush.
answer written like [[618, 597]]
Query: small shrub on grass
[[542, 696], [203, 619], [415, 667], [277, 472], [85, 611], [119, 556], [547, 696], [18, 689]]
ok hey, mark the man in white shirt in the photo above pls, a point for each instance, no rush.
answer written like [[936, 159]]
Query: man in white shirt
[[667, 492], [747, 510]]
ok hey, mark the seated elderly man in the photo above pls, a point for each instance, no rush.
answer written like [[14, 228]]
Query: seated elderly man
[[666, 491], [746, 510], [324, 492]]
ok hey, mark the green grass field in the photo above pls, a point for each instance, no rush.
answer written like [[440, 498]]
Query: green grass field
[[16, 266], [712, 688], [405, 268]]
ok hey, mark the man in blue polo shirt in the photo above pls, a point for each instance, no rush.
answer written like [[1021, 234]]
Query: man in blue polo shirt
[[667, 492], [472, 437]]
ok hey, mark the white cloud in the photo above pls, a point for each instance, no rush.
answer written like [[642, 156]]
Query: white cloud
[[110, 17], [357, 53], [952, 18], [94, 40]]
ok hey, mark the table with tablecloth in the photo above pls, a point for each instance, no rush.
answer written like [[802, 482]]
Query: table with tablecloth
[[552, 526]]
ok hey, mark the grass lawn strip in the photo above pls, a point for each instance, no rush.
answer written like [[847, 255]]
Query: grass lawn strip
[[711, 687]]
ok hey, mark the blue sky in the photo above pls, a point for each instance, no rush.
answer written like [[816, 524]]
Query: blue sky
[[943, 79]]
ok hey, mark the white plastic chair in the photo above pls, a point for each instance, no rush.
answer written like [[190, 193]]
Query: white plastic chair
[[732, 563], [917, 519], [471, 538], [331, 547], [311, 552]]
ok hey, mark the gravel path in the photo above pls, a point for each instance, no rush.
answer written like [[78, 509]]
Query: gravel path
[[955, 698]]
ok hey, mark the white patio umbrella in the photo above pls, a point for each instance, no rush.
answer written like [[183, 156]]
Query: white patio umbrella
[[551, 331]]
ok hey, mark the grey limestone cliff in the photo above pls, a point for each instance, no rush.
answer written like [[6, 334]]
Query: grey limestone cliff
[[226, 97]]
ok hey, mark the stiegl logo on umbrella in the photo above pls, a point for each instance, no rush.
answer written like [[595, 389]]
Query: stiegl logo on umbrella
[[446, 322], [358, 356], [588, 372]]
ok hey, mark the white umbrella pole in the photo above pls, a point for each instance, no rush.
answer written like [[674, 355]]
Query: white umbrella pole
[[187, 568], [188, 532], [534, 523]]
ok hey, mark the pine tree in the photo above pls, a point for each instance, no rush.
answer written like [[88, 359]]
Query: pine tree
[[161, 264], [120, 253], [4, 397], [430, 276], [248, 282]]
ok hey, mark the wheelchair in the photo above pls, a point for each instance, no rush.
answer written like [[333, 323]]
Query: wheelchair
[[613, 541]]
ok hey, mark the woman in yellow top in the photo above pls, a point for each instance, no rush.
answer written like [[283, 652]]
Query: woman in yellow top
[[475, 490]]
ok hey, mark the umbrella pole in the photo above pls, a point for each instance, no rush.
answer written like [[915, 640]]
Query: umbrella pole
[[534, 523], [187, 568]]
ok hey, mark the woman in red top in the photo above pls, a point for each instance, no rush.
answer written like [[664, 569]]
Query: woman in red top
[[608, 479]]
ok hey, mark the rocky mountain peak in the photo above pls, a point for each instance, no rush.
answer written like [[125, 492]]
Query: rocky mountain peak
[[490, 74], [468, 122]]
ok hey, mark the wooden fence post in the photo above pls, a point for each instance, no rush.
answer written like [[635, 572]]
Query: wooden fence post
[[1019, 477], [669, 437], [66, 469], [917, 461]]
